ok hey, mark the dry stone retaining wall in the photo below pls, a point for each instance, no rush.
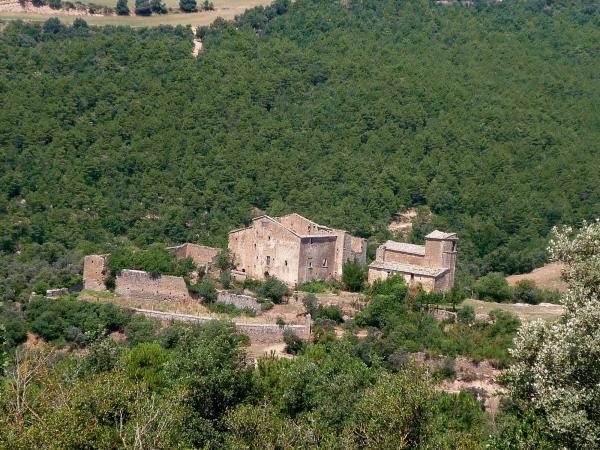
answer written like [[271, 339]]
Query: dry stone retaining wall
[[138, 284], [239, 301], [259, 333]]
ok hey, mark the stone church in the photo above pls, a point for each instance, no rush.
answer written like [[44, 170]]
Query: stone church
[[294, 249], [432, 265]]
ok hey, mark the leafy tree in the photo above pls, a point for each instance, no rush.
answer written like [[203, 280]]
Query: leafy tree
[[526, 291], [555, 373], [55, 4], [207, 5], [158, 7], [310, 304], [146, 362], [188, 5], [353, 275], [224, 260], [143, 7], [122, 8], [493, 287], [293, 343], [273, 289]]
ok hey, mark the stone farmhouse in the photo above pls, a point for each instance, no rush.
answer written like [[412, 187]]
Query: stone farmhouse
[[432, 265], [294, 249]]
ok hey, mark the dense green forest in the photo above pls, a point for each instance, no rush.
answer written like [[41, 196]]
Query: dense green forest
[[346, 112]]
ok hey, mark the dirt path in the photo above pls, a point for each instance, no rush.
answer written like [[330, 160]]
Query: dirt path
[[197, 43]]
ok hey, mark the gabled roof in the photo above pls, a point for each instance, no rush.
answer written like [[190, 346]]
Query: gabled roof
[[403, 247], [409, 268], [276, 220], [440, 235]]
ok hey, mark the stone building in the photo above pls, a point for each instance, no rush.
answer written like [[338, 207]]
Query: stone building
[[432, 265], [201, 255], [140, 284], [293, 249]]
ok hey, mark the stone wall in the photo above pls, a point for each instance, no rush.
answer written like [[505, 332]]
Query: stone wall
[[94, 272], [138, 284], [259, 333], [200, 254], [239, 301]]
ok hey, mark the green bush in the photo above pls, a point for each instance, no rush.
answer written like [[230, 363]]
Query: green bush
[[205, 289], [225, 308], [466, 314], [493, 287], [293, 343], [315, 287], [353, 275], [273, 289], [310, 304]]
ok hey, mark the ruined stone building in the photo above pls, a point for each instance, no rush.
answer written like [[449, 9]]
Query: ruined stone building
[[140, 284], [432, 265], [293, 249]]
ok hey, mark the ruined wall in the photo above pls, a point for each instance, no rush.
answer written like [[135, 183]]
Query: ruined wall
[[142, 285], [317, 258], [94, 272], [239, 301], [260, 333], [267, 248], [200, 254]]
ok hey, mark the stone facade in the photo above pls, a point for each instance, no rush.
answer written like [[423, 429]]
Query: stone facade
[[201, 255], [239, 301], [94, 272], [293, 249], [431, 265], [142, 285]]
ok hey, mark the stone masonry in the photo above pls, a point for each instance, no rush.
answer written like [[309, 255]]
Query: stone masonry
[[138, 284], [239, 301], [293, 249], [95, 272], [431, 265]]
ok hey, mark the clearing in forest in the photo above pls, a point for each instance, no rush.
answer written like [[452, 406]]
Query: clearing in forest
[[227, 9], [546, 277]]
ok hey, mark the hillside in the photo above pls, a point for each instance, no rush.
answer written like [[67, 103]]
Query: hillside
[[344, 112]]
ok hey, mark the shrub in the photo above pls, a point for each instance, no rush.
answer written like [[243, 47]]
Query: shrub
[[331, 312], [466, 314], [274, 289], [293, 343], [225, 279], [393, 285], [315, 287], [310, 304], [266, 304], [353, 276], [280, 322], [122, 8], [188, 6], [205, 289], [224, 259], [225, 308], [526, 291], [55, 4], [493, 287]]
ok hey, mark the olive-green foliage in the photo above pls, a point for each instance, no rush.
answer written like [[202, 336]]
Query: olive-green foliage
[[205, 289], [353, 275], [13, 326], [224, 308], [273, 289], [146, 362], [73, 320], [155, 260], [527, 291], [405, 330], [493, 287], [490, 151], [466, 314], [315, 287], [293, 343]]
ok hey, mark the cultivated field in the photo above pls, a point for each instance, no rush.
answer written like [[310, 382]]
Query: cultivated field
[[227, 9]]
